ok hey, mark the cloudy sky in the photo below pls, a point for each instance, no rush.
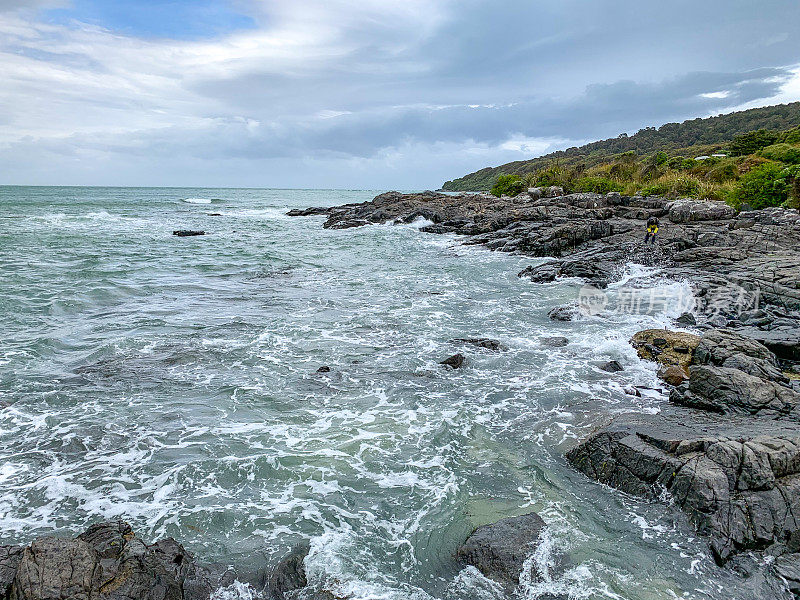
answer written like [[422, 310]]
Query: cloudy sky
[[363, 93]]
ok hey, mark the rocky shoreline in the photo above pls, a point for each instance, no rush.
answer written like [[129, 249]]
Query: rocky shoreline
[[726, 448]]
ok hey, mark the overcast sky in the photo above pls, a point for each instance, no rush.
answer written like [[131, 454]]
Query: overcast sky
[[373, 94]]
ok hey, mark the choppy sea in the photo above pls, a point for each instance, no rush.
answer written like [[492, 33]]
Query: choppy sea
[[173, 382]]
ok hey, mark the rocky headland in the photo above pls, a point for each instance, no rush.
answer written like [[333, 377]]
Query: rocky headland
[[726, 447]]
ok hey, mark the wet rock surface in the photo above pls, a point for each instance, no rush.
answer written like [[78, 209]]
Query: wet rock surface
[[727, 446], [484, 343], [106, 562], [737, 481], [109, 562], [499, 550], [727, 449], [454, 362]]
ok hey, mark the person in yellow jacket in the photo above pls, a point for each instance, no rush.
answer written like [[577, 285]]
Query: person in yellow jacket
[[652, 230]]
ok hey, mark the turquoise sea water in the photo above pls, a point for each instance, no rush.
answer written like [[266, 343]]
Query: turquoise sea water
[[172, 382]]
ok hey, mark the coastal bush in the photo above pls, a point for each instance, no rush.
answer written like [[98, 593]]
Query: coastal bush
[[792, 136], [660, 158], [763, 186], [721, 173], [673, 185], [555, 175], [508, 185], [752, 142], [782, 153], [598, 185]]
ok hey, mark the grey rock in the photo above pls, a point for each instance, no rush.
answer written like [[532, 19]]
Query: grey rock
[[455, 361], [289, 574], [107, 562], [555, 342], [10, 557], [738, 481], [485, 343], [687, 210], [187, 233], [687, 319], [307, 212], [785, 343], [732, 391], [500, 549], [563, 313], [787, 567], [729, 349], [612, 366]]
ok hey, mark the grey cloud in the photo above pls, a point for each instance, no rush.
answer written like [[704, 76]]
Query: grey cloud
[[553, 69], [602, 110]]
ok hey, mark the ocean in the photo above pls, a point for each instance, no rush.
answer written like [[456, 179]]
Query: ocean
[[173, 382]]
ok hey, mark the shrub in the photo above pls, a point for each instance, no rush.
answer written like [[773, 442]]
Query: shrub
[[752, 142], [765, 185], [673, 185], [792, 136], [782, 152], [723, 172], [555, 175], [659, 158], [676, 162], [508, 185], [599, 185]]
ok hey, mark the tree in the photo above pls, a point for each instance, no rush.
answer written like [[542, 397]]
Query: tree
[[508, 185], [764, 186], [754, 141]]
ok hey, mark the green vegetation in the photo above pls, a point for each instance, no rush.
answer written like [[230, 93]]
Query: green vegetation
[[769, 178], [674, 146], [752, 142], [766, 185], [755, 169], [786, 153], [508, 185]]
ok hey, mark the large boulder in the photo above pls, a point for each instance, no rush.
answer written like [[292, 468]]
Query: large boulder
[[107, 562], [687, 210], [732, 391], [731, 350], [738, 480], [783, 341], [665, 347], [499, 550]]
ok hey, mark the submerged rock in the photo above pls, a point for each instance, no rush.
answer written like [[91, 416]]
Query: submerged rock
[[612, 366], [564, 313], [555, 342], [485, 343], [499, 550], [455, 361]]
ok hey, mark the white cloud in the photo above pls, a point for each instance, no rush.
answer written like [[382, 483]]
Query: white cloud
[[716, 95], [390, 85]]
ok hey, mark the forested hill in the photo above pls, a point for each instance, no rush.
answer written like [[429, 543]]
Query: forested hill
[[670, 137]]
